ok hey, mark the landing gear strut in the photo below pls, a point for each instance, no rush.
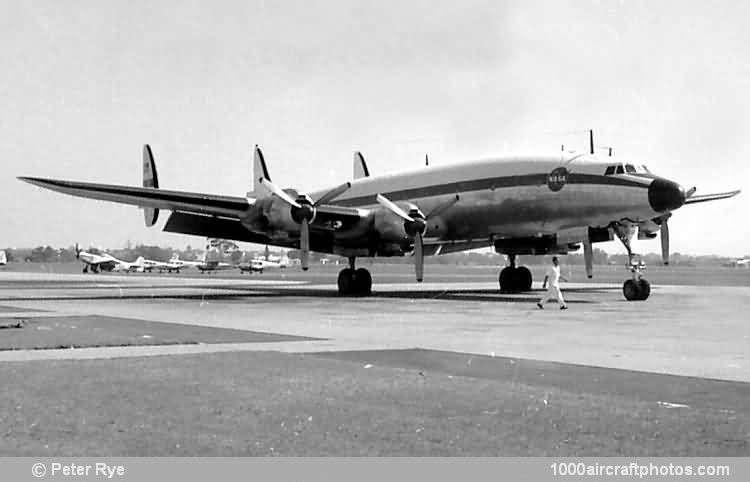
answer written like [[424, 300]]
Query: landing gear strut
[[354, 281], [514, 279], [636, 288]]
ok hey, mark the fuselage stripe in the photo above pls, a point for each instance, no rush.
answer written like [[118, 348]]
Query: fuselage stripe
[[486, 184]]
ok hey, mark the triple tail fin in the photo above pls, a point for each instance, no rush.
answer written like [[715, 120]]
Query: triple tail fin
[[260, 171], [360, 166], [150, 179]]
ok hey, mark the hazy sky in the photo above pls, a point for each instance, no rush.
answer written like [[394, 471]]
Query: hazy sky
[[85, 83]]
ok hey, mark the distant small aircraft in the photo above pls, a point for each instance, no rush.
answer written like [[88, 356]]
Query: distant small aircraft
[[212, 259], [738, 263], [149, 265], [106, 262], [175, 264], [267, 261], [3, 258], [212, 266]]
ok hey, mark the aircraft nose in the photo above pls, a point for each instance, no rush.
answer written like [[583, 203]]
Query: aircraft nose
[[665, 195]]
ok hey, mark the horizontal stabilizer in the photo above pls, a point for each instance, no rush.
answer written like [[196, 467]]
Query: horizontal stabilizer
[[710, 197]]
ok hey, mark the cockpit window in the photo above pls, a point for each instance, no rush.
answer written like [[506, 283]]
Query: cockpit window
[[610, 170], [629, 168], [620, 170]]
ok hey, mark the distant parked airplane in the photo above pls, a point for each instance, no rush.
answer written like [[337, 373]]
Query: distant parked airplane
[[149, 265], [175, 264], [3, 258], [106, 262], [268, 261]]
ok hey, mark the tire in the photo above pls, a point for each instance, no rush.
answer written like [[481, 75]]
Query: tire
[[507, 280], [631, 290], [645, 289], [362, 282], [346, 282], [523, 279]]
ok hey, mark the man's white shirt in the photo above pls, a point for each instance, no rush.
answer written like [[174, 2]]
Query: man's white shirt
[[553, 275]]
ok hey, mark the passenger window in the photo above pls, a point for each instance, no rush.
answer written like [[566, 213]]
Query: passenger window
[[620, 170], [610, 170], [629, 168]]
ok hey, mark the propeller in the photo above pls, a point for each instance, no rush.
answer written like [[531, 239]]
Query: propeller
[[303, 212], [78, 252], [415, 225], [665, 242]]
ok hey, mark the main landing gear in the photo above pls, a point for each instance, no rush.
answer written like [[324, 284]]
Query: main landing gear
[[636, 288], [354, 282], [514, 279]]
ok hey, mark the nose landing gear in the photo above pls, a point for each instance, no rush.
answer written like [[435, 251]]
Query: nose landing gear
[[637, 288]]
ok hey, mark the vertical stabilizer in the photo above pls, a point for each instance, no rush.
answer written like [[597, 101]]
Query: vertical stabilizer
[[360, 166], [150, 179], [260, 171]]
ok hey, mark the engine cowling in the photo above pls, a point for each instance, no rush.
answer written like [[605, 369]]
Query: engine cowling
[[392, 228]]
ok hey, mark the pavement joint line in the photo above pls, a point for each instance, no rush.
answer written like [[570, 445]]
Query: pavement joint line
[[33, 314], [92, 353]]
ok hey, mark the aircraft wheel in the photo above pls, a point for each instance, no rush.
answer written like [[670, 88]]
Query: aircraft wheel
[[507, 280], [631, 290], [362, 282], [523, 279], [346, 281], [644, 288], [85, 269]]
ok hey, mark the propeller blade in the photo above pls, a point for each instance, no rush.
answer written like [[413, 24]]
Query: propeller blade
[[443, 207], [665, 242], [418, 256], [388, 204], [588, 257], [333, 193], [78, 252], [304, 244], [690, 192], [278, 192]]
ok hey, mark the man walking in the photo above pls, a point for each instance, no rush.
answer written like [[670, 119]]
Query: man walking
[[553, 276]]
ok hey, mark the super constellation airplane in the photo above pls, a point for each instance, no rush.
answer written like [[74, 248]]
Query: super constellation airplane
[[520, 205]]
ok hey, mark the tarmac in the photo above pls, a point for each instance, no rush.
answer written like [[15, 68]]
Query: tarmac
[[686, 346], [699, 331]]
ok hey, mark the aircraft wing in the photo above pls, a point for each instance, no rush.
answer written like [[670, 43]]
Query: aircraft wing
[[232, 207], [710, 197]]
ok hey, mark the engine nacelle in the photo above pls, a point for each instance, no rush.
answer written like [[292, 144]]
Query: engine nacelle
[[270, 214], [390, 227]]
